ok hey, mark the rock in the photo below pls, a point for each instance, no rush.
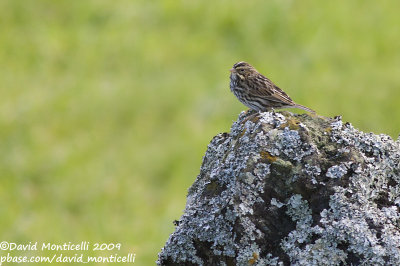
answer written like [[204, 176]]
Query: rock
[[287, 189]]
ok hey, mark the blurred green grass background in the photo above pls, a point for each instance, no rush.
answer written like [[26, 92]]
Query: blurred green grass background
[[107, 107]]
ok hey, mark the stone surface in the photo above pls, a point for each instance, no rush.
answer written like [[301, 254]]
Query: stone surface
[[285, 189]]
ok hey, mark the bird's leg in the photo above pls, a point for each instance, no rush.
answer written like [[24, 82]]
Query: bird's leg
[[250, 116]]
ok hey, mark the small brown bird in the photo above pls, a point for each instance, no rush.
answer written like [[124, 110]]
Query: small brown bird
[[258, 92]]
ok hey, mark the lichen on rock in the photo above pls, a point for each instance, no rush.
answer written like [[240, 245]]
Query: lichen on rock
[[288, 189]]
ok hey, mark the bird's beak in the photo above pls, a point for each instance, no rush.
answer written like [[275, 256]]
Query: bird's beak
[[232, 70]]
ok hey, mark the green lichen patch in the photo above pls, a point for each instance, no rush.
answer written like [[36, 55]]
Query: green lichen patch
[[266, 156], [292, 124]]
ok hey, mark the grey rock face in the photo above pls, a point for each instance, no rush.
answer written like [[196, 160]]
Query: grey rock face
[[284, 189]]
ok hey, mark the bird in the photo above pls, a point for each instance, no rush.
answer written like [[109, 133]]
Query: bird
[[258, 92]]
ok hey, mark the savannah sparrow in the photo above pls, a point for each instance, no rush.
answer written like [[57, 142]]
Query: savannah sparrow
[[258, 92]]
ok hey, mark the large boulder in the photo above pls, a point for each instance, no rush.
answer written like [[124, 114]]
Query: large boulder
[[287, 189]]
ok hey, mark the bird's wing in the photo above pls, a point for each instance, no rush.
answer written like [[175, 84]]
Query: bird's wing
[[268, 90]]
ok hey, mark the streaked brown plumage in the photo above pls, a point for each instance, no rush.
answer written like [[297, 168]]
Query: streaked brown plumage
[[258, 92]]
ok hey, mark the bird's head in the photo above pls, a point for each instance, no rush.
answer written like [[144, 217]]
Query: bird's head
[[242, 70]]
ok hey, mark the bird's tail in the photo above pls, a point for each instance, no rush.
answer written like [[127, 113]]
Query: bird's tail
[[303, 108]]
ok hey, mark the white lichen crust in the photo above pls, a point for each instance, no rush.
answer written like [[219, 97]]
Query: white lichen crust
[[284, 189]]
